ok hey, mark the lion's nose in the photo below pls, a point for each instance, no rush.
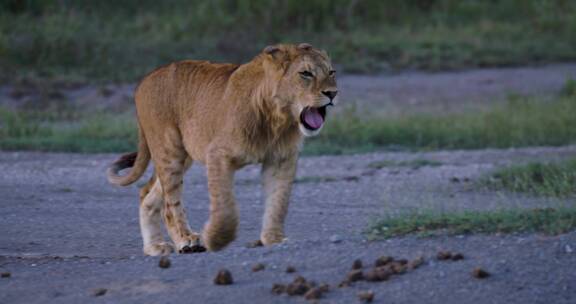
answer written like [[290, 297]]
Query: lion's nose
[[330, 94]]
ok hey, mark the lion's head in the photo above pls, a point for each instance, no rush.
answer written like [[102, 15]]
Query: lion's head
[[305, 83]]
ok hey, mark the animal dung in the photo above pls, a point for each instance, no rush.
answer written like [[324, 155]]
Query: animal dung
[[301, 287], [417, 262], [357, 264], [447, 255], [344, 283], [402, 261], [378, 274], [257, 267], [290, 269], [164, 262], [5, 274], [99, 292], [355, 275], [314, 293], [444, 255], [383, 260], [457, 257], [278, 289], [366, 296], [223, 277], [297, 288], [480, 273]]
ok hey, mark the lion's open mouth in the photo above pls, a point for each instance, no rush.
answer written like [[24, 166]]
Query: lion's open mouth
[[312, 118]]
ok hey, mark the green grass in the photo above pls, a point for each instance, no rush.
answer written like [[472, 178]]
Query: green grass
[[557, 179], [96, 133], [110, 41], [550, 221], [519, 123]]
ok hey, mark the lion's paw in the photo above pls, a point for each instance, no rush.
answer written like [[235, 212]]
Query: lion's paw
[[192, 245], [272, 238], [156, 249]]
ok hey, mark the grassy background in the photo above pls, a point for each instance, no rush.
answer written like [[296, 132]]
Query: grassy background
[[105, 41], [520, 122]]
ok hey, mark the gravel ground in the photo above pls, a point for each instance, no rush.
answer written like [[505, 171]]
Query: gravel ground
[[66, 234]]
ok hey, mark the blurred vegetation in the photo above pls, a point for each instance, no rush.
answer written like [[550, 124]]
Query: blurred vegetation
[[520, 122], [545, 179], [552, 221], [109, 41]]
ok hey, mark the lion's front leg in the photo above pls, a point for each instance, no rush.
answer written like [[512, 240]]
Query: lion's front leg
[[277, 178], [220, 229]]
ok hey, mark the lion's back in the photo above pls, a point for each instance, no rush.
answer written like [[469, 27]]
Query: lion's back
[[165, 88]]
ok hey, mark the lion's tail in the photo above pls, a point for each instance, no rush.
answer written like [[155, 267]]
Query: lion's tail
[[137, 160]]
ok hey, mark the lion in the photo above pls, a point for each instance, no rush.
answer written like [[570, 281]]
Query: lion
[[224, 116]]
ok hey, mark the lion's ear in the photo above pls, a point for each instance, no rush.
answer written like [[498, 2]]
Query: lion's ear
[[305, 46], [272, 50]]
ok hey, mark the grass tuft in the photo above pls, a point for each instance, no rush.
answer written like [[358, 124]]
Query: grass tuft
[[549, 220], [557, 179]]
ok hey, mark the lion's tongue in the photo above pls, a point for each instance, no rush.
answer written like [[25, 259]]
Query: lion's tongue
[[313, 118]]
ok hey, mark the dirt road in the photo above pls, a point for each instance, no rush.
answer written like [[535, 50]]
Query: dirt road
[[65, 233]]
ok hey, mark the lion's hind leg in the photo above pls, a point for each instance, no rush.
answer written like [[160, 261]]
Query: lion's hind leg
[[171, 173], [150, 219]]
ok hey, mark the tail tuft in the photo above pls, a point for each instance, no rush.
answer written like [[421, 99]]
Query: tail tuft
[[138, 161], [125, 161]]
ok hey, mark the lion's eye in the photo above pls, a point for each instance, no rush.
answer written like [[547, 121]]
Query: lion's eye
[[332, 73], [306, 74]]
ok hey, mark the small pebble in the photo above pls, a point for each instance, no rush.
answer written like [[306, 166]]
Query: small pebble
[[480, 273], [224, 277], [5, 274], [254, 244], [335, 239], [257, 267], [164, 262], [366, 295], [99, 292]]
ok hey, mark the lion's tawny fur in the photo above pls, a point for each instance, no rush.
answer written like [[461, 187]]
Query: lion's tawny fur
[[224, 116]]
